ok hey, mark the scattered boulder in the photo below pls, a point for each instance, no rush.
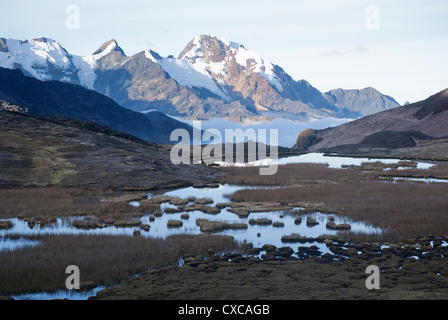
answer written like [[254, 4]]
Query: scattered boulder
[[127, 223], [174, 224], [268, 248], [260, 222], [242, 213], [311, 222], [185, 216], [87, 225], [203, 201], [218, 226], [284, 252], [223, 205], [172, 210], [312, 251], [204, 208], [351, 252], [331, 225], [31, 223], [179, 202], [145, 227], [278, 224], [295, 238], [6, 224]]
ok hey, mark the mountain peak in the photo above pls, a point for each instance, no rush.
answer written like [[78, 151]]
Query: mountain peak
[[211, 47], [109, 46], [43, 39]]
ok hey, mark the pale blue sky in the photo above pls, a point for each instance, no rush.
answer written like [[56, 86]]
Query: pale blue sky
[[325, 42]]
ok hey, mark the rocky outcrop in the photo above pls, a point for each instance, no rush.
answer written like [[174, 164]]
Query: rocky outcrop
[[359, 103]]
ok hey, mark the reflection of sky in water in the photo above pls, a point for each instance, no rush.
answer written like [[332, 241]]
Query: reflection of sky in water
[[159, 229], [269, 234], [333, 162], [13, 244], [426, 180], [61, 294]]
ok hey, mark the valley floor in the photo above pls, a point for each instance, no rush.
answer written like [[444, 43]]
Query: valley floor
[[411, 253], [55, 171]]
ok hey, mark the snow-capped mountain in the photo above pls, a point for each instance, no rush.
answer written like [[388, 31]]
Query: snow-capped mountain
[[212, 77]]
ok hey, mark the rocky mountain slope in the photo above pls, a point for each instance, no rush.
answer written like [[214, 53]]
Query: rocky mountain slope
[[395, 128], [360, 102], [212, 77], [64, 152], [56, 98]]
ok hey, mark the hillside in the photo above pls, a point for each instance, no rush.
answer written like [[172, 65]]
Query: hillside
[[73, 153], [56, 98], [412, 126]]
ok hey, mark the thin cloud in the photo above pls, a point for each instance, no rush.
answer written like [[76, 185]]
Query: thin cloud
[[358, 49]]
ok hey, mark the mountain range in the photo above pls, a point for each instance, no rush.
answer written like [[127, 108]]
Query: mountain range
[[211, 77]]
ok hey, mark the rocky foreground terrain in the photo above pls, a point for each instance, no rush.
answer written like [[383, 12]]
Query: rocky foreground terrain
[[37, 152], [408, 271]]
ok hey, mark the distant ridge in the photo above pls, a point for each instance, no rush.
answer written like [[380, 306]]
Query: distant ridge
[[420, 120]]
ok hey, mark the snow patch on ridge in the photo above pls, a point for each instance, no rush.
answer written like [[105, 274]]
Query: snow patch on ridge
[[249, 59], [34, 55], [150, 56], [87, 65], [39, 56], [185, 74], [246, 58]]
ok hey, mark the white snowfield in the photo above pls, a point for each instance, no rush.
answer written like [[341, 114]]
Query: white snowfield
[[33, 55], [246, 58], [44, 58], [41, 57]]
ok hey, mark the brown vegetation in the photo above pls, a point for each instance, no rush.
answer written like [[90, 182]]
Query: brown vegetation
[[286, 175], [312, 279], [103, 259], [50, 202], [404, 210]]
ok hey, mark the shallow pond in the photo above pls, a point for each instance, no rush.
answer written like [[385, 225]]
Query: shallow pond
[[425, 180], [258, 235], [15, 238], [332, 161]]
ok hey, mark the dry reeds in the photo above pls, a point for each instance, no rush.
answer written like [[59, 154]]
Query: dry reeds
[[286, 175], [404, 209], [102, 259]]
